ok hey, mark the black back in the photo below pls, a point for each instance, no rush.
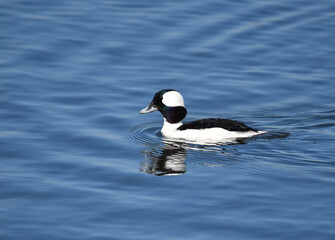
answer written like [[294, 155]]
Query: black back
[[227, 124]]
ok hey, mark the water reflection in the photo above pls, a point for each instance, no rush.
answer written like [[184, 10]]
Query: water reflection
[[168, 159]]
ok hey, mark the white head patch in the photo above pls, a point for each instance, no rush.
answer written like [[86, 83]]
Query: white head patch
[[173, 99]]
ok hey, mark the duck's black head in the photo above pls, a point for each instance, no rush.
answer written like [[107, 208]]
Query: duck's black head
[[170, 103]]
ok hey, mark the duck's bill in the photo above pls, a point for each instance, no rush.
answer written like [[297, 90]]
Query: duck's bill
[[148, 109]]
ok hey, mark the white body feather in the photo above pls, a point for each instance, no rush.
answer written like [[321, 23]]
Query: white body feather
[[215, 134]]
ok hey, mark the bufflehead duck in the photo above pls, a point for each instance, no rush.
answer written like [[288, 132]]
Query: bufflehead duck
[[171, 105]]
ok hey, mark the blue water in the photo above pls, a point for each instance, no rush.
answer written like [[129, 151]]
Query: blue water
[[79, 162]]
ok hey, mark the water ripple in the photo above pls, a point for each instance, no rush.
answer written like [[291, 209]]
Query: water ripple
[[147, 133]]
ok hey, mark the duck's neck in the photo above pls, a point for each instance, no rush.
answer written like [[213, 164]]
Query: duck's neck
[[170, 127], [173, 114]]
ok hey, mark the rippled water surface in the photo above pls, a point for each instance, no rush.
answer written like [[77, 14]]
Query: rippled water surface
[[79, 162]]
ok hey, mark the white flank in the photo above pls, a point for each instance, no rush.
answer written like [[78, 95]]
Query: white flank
[[210, 135], [173, 99]]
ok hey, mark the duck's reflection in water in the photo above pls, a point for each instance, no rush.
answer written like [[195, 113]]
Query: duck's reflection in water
[[168, 159]]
